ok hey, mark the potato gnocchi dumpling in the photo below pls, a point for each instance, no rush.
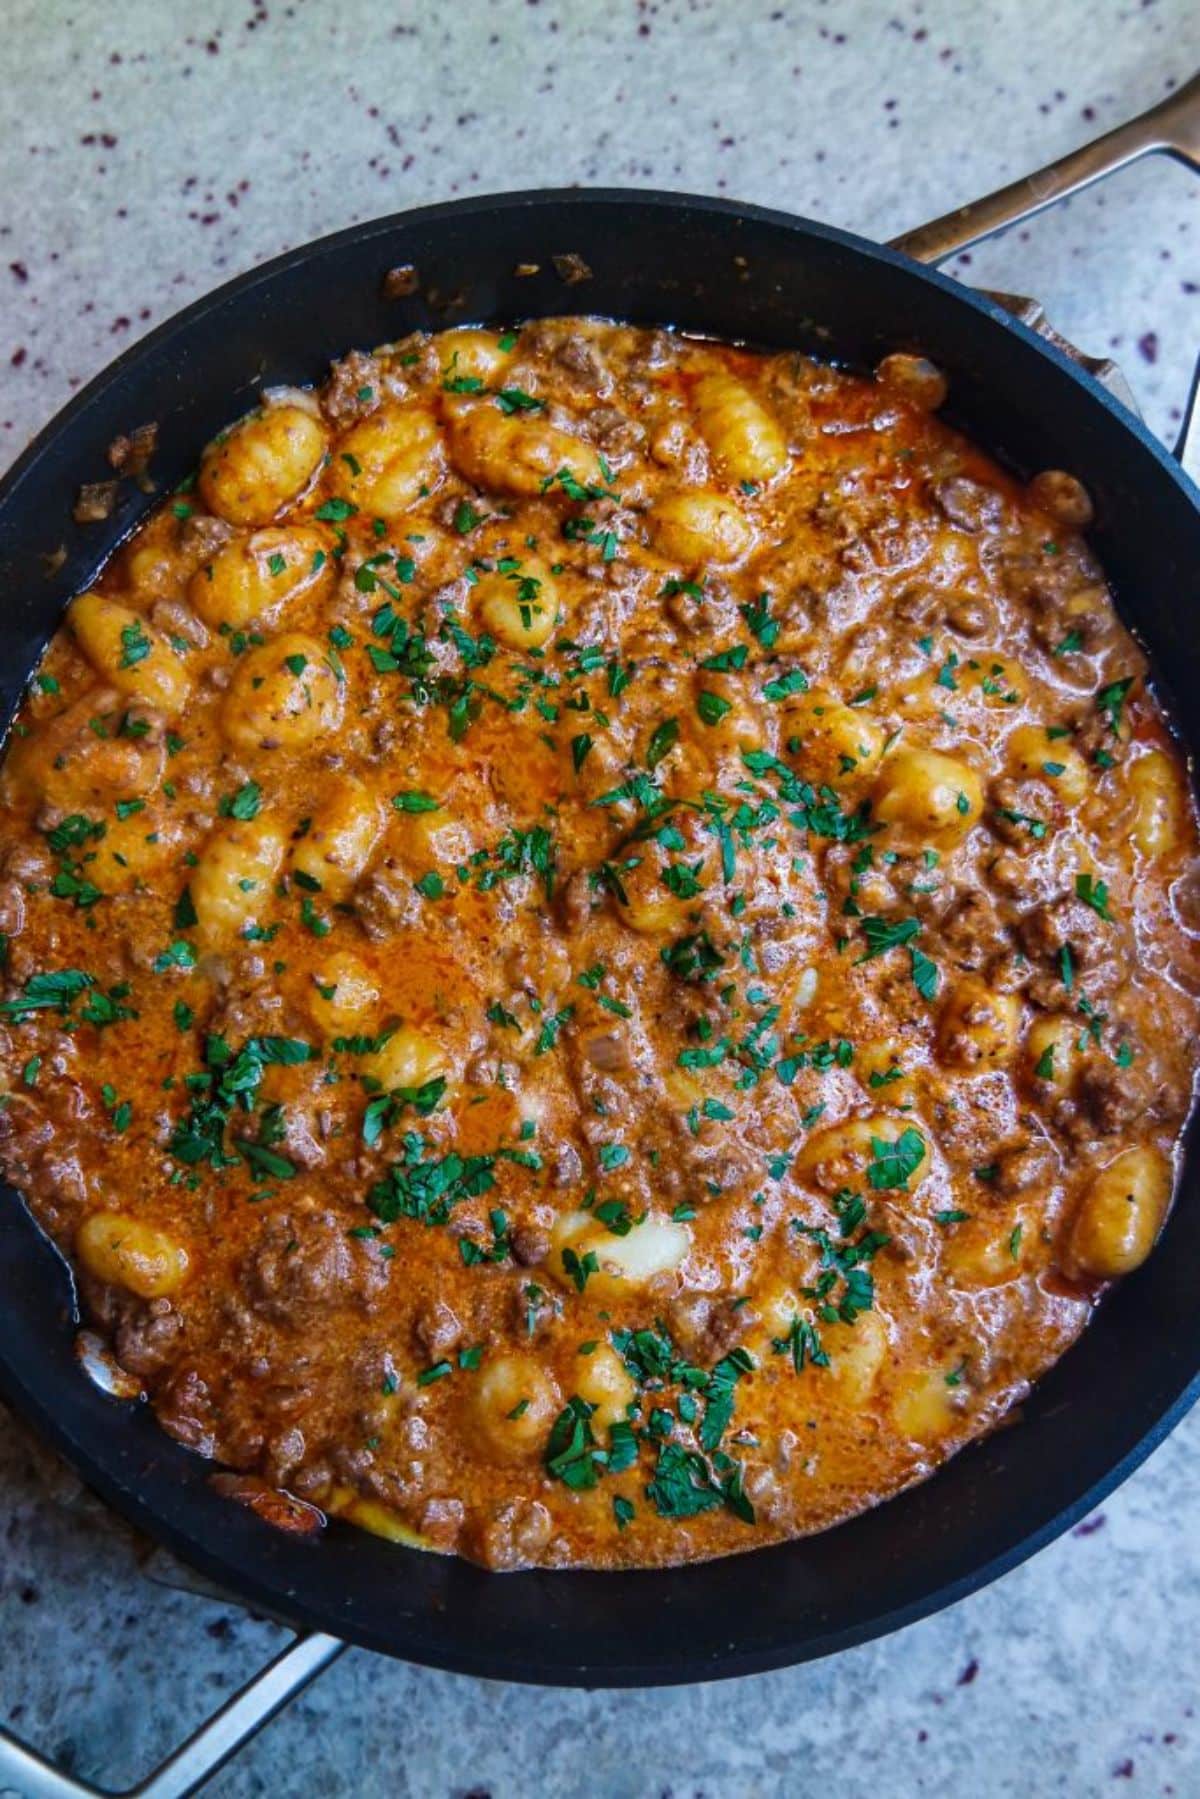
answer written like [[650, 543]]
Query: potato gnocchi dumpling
[[828, 742], [1120, 1214], [928, 797], [251, 472], [122, 1251], [609, 1261], [338, 838], [260, 577], [232, 882], [1036, 754], [743, 437], [517, 602], [978, 1027], [696, 528], [388, 459], [1160, 800], [471, 355], [130, 655], [284, 695], [601, 944], [344, 995], [518, 453], [511, 1407]]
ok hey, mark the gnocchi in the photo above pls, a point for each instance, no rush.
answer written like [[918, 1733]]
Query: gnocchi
[[698, 527], [124, 1252], [744, 438], [388, 459], [133, 657], [251, 472], [518, 604], [260, 577], [283, 695], [927, 796], [232, 884], [512, 453], [1120, 1214]]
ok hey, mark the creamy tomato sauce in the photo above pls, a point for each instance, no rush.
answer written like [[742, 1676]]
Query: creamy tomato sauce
[[601, 952]]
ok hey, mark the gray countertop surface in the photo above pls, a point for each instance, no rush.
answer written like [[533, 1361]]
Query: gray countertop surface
[[148, 151]]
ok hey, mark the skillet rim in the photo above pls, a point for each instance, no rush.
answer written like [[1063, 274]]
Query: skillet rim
[[282, 1597], [532, 199]]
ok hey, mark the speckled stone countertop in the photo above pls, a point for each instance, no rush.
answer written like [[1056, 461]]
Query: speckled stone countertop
[[142, 162]]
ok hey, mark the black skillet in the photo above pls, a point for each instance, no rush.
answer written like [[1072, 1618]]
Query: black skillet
[[733, 272]]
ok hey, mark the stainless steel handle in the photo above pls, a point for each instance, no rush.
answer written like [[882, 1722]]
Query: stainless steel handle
[[25, 1773], [1187, 449], [1173, 127]]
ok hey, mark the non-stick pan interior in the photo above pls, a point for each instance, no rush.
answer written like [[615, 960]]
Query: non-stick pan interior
[[710, 267]]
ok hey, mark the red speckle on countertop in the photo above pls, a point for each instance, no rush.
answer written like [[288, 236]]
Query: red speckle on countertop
[[968, 1674]]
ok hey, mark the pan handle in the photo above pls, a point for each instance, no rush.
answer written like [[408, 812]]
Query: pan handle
[[1173, 127], [193, 1764], [1187, 449]]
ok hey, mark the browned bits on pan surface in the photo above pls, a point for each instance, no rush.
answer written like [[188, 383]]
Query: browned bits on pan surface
[[400, 282], [571, 268], [94, 502]]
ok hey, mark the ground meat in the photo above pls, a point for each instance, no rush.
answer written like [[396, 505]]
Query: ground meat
[[178, 620], [575, 900], [919, 605], [94, 502], [579, 354], [1015, 810], [972, 930], [147, 1338], [1112, 1098], [355, 386], [967, 504], [531, 1244], [1026, 1166], [298, 1143], [972, 615], [567, 1167], [285, 1452], [187, 1411], [1092, 731], [12, 908], [516, 1535], [437, 1328], [711, 615], [130, 455], [609, 1052], [243, 1005], [706, 1327], [56, 1173], [30, 861], [1064, 922], [533, 1310], [615, 433], [1080, 622], [305, 1263], [385, 901], [441, 1521], [201, 536]]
